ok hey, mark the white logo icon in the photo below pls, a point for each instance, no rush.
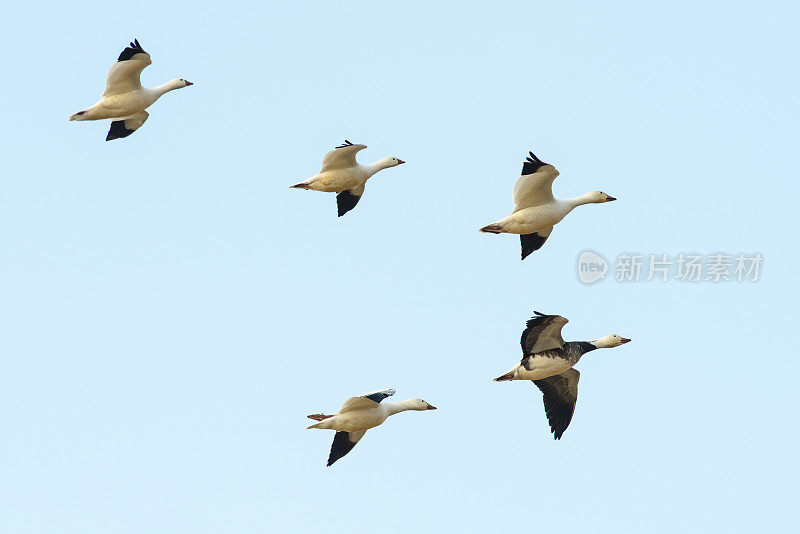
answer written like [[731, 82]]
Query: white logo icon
[[591, 267]]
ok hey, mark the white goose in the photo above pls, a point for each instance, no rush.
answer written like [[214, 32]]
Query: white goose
[[547, 360], [124, 99], [342, 174], [536, 211], [359, 414]]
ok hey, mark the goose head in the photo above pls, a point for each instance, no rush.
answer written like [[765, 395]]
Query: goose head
[[177, 83], [418, 404], [610, 341], [598, 197], [391, 161]]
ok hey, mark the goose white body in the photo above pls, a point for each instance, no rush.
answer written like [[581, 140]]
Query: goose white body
[[360, 419], [338, 180], [123, 105], [537, 218], [540, 366]]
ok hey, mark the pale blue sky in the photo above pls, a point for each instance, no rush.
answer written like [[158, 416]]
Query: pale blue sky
[[171, 310]]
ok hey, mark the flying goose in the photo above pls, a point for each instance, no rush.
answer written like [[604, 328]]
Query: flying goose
[[536, 211], [342, 174], [359, 414], [547, 360], [125, 100]]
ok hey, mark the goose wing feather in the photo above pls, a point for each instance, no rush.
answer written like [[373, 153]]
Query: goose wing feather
[[542, 332], [343, 442], [535, 186], [124, 74], [347, 199], [366, 401], [533, 242], [126, 126], [341, 157], [560, 393]]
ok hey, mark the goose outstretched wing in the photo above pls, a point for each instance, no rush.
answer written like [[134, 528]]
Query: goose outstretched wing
[[124, 74], [347, 199], [366, 401], [126, 126], [533, 242], [341, 157], [560, 393], [343, 442], [542, 332], [535, 186]]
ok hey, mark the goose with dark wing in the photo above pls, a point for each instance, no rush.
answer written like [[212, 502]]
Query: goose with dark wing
[[343, 175], [548, 361], [536, 211], [125, 100], [359, 414]]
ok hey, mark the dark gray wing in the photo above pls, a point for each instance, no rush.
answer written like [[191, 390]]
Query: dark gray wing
[[531, 164], [542, 332], [125, 127], [533, 242], [378, 396], [560, 394], [347, 200], [130, 51], [343, 442]]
